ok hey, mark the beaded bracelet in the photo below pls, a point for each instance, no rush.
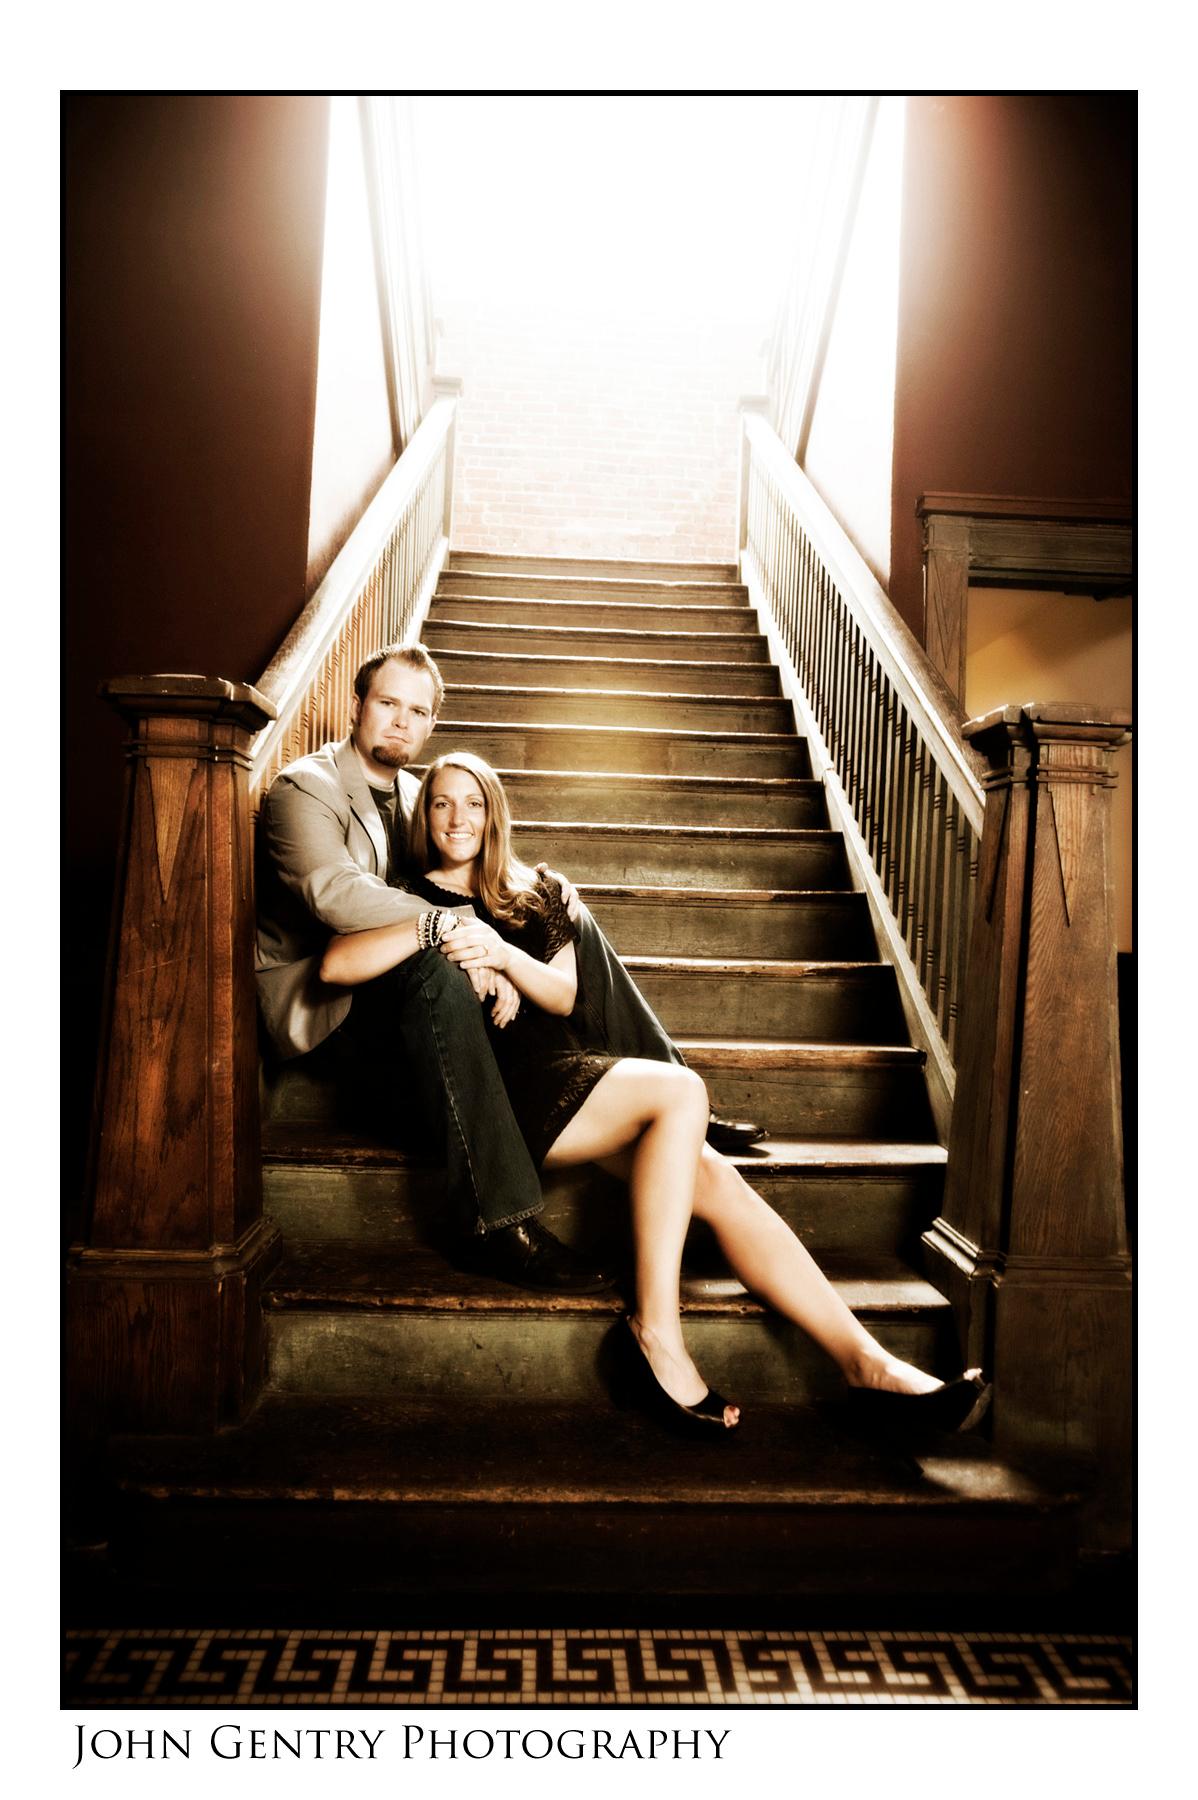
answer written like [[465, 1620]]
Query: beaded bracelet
[[433, 927]]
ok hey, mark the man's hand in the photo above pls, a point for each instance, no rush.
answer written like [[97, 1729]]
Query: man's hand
[[570, 900], [507, 999]]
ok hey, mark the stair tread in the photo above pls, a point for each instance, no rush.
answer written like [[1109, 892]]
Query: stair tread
[[612, 587], [507, 659], [671, 733], [773, 1053], [418, 1279], [459, 560], [557, 605], [457, 690], [637, 634], [740, 834], [842, 1153], [316, 1144], [765, 896], [385, 1450], [768, 786], [754, 965]]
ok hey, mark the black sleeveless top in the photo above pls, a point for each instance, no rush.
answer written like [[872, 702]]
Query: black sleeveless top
[[545, 1069]]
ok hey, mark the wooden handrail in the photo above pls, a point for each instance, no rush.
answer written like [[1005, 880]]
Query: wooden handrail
[[885, 732], [376, 592], [917, 680]]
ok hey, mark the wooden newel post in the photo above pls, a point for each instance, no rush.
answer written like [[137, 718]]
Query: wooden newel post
[[1031, 1244], [163, 1328]]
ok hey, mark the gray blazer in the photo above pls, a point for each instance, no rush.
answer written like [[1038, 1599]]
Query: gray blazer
[[321, 869]]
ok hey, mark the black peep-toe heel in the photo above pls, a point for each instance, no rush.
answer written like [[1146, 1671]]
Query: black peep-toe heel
[[633, 1383], [957, 1406]]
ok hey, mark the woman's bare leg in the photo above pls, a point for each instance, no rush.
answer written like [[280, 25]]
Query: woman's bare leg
[[655, 1113], [767, 1256]]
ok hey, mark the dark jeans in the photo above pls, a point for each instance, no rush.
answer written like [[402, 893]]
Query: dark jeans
[[425, 1011]]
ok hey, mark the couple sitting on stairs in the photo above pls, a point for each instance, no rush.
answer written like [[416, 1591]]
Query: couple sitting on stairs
[[525, 1040]]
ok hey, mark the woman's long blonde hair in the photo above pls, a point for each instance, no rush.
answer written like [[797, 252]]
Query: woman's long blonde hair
[[506, 886]]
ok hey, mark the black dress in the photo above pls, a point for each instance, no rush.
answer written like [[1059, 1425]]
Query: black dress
[[545, 1069]]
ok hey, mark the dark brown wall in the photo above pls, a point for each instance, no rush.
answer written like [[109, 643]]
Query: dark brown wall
[[1016, 331], [193, 230]]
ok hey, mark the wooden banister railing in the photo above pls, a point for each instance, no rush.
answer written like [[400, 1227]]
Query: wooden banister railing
[[376, 592], [884, 730], [984, 849]]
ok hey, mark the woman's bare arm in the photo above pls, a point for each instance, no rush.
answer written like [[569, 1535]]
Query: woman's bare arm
[[553, 986]]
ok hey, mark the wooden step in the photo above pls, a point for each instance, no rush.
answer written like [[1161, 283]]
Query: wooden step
[[443, 633], [397, 1495], [693, 921], [712, 800], [819, 1002], [816, 1090], [587, 567], [796, 1090], [593, 590], [617, 750], [404, 1321], [590, 615], [327, 1184], [496, 668], [684, 855], [595, 706]]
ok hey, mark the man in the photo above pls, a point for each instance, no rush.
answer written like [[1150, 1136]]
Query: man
[[333, 831]]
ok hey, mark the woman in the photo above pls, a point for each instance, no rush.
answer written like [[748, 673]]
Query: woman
[[643, 1121]]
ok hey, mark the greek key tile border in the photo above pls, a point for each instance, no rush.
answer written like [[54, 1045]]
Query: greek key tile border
[[178, 1668]]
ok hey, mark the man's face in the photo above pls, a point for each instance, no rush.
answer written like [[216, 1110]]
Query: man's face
[[391, 725]]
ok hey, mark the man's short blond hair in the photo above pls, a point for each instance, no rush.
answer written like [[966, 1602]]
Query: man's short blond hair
[[416, 657]]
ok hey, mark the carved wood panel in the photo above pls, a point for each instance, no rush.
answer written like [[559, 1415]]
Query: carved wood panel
[[967, 539]]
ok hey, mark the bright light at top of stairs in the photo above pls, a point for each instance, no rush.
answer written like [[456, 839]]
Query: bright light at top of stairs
[[628, 203]]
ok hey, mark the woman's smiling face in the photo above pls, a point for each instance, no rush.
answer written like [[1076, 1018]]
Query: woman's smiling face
[[457, 817]]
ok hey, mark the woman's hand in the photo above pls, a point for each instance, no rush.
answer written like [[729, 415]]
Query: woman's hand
[[487, 982], [482, 981], [473, 945]]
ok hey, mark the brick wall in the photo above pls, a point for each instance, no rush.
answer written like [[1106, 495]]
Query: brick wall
[[599, 435]]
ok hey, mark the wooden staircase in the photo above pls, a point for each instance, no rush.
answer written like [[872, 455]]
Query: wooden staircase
[[431, 1432]]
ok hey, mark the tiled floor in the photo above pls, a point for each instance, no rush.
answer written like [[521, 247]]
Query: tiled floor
[[177, 1668]]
